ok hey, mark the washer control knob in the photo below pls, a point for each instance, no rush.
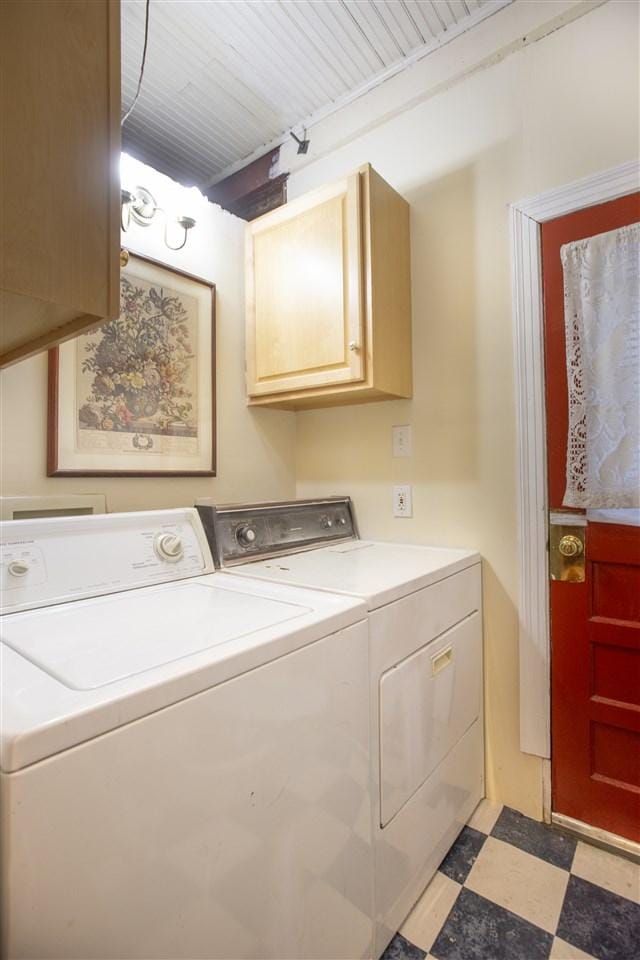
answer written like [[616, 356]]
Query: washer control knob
[[326, 522], [342, 522], [169, 547], [246, 535], [18, 568]]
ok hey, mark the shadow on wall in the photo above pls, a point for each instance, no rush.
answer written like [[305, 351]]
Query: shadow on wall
[[505, 764], [444, 263]]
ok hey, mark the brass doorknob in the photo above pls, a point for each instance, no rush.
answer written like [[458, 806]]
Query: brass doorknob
[[570, 546]]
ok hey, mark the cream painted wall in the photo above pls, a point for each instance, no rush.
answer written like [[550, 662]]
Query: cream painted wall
[[545, 114], [256, 448]]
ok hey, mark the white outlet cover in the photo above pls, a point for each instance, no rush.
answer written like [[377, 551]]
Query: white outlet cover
[[401, 440], [402, 500]]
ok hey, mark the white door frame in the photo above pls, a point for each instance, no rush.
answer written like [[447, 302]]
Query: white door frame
[[532, 508]]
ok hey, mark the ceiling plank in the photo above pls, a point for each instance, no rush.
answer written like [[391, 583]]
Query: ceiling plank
[[226, 81]]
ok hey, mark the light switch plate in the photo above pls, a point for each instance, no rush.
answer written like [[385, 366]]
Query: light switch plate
[[402, 500], [401, 440]]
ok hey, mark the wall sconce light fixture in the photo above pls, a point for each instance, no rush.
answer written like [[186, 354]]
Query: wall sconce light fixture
[[140, 205]]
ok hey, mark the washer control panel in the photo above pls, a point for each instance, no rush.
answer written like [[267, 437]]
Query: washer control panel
[[53, 560], [21, 563], [250, 532]]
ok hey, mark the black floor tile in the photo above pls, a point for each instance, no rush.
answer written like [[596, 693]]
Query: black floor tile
[[477, 929], [462, 855], [535, 838], [600, 922], [401, 949]]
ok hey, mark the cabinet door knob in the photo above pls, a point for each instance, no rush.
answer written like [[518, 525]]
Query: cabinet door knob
[[354, 346]]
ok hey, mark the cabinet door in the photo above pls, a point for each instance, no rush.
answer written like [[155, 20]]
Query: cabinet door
[[305, 292], [59, 176]]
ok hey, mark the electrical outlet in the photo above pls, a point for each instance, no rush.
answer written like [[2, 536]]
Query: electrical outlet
[[402, 500], [401, 440]]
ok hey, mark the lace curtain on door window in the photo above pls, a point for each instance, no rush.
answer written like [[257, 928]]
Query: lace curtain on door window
[[602, 327]]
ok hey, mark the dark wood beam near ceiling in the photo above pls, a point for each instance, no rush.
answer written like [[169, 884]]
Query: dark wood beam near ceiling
[[252, 191]]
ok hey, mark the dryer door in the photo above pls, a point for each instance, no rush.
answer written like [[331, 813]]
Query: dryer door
[[427, 702]]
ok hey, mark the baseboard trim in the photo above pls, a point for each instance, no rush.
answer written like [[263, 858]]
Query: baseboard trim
[[602, 838]]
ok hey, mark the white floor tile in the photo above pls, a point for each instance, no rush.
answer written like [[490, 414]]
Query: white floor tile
[[485, 816], [520, 882], [425, 921], [561, 950], [608, 870]]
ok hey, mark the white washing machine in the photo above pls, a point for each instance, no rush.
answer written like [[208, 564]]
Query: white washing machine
[[426, 674], [184, 756]]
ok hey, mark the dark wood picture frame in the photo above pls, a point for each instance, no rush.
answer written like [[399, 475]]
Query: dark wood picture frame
[[53, 400]]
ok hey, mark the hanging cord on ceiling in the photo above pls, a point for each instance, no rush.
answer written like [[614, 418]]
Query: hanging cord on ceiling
[[142, 65]]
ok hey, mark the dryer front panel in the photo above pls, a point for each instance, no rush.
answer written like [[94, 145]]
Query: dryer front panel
[[427, 702], [428, 753]]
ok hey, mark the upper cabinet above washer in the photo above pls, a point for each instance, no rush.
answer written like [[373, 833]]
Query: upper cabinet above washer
[[60, 178], [329, 297]]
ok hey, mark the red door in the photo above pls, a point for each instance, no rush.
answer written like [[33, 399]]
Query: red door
[[595, 624]]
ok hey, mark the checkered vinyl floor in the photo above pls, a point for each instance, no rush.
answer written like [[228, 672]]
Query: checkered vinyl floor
[[514, 889]]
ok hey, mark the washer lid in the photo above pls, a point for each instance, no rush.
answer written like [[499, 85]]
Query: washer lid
[[181, 638], [91, 643]]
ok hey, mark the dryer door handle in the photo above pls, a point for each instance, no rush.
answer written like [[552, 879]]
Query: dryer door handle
[[441, 659]]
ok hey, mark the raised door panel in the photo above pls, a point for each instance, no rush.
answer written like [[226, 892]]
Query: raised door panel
[[304, 290], [312, 247]]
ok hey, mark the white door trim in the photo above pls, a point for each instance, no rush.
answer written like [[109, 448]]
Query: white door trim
[[533, 605]]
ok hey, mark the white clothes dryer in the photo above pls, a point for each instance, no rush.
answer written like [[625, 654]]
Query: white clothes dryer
[[184, 755], [426, 671]]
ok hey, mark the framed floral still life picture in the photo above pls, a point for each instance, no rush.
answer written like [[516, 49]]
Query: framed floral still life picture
[[136, 396]]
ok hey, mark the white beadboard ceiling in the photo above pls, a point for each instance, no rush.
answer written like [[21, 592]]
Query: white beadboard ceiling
[[226, 80]]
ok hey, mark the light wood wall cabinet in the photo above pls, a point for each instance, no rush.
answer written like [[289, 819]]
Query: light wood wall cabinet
[[329, 297], [59, 170]]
